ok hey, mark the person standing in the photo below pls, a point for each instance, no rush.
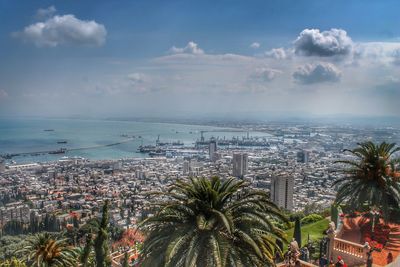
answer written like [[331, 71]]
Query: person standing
[[323, 261], [340, 262]]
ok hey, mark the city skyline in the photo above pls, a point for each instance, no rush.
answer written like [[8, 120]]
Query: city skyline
[[259, 58]]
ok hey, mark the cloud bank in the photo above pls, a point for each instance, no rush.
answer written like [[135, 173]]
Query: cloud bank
[[264, 74], [317, 73]]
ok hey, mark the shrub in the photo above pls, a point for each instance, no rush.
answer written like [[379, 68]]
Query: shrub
[[296, 215], [311, 219]]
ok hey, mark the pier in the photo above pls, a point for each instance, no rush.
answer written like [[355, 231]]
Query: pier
[[62, 150]]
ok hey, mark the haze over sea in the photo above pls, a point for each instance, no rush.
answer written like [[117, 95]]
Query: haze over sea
[[29, 135]]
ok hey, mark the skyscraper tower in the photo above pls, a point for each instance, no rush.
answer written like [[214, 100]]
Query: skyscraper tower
[[240, 164], [282, 191], [212, 148]]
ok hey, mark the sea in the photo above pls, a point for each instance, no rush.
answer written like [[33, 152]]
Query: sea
[[87, 138]]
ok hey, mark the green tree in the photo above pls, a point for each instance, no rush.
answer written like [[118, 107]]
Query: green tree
[[101, 242], [372, 179], [334, 214], [87, 251], [297, 231], [209, 222], [47, 250], [126, 260]]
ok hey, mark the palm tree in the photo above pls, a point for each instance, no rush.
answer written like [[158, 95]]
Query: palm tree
[[372, 179], [13, 263], [46, 250], [210, 222]]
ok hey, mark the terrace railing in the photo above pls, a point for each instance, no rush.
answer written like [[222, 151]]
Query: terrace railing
[[350, 248], [117, 256], [302, 264]]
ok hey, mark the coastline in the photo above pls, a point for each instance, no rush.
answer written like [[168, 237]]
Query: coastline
[[91, 138]]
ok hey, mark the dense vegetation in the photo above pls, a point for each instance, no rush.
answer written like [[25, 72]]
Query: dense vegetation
[[59, 249], [371, 180], [210, 222], [312, 218]]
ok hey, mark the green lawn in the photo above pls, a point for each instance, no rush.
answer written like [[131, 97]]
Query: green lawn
[[314, 229]]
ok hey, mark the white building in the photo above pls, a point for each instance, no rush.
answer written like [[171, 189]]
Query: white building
[[282, 191]]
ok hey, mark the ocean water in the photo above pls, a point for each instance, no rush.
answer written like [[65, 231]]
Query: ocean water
[[28, 135]]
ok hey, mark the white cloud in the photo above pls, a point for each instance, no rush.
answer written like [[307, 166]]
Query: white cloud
[[396, 56], [64, 30], [190, 48], [138, 82], [45, 13], [377, 53], [204, 59], [312, 42], [137, 77], [316, 73], [276, 53], [264, 74], [255, 45]]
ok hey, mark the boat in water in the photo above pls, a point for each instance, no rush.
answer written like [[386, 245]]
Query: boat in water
[[157, 154], [147, 149], [59, 151], [62, 142]]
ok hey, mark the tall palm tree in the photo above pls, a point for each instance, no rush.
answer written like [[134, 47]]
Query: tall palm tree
[[46, 250], [372, 179], [210, 222]]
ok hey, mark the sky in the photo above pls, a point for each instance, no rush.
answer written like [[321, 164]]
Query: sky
[[199, 58]]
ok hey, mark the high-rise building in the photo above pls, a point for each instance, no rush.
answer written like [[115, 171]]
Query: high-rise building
[[303, 156], [186, 167], [240, 164], [282, 191], [2, 165], [212, 148]]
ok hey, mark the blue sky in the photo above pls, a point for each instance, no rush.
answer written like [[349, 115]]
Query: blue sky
[[148, 58]]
